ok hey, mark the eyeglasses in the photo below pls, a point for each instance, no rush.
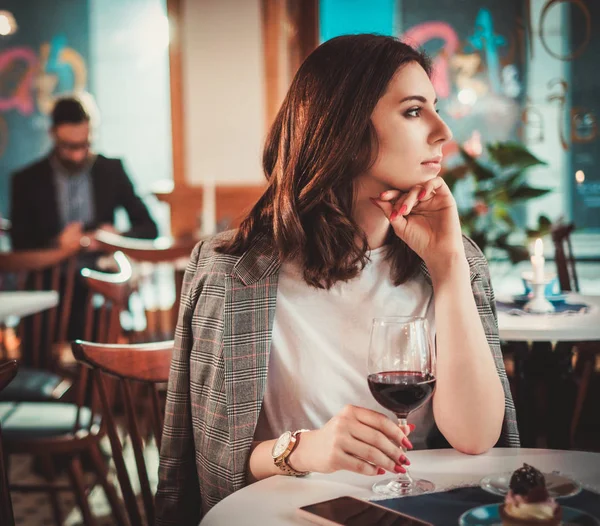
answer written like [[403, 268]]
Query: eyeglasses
[[73, 146]]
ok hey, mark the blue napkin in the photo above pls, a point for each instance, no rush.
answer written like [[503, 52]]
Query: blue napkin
[[516, 308], [446, 507]]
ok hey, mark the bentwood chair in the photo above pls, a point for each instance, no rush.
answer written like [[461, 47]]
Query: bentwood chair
[[146, 364], [67, 432], [8, 370], [49, 269], [153, 259], [564, 257], [586, 352]]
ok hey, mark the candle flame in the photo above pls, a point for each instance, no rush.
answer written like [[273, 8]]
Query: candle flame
[[539, 247], [579, 176]]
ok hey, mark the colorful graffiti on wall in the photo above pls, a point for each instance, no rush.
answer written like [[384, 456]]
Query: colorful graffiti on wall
[[485, 64], [30, 80]]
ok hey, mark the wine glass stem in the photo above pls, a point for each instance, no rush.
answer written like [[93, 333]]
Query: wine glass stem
[[403, 422]]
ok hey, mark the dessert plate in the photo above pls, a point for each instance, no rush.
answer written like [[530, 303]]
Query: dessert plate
[[490, 516], [557, 485]]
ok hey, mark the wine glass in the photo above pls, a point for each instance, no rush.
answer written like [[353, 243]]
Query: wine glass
[[401, 378]]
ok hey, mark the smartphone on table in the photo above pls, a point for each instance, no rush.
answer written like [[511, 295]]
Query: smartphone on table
[[349, 511]]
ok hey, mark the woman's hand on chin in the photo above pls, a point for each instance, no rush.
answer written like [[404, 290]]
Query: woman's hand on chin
[[426, 219]]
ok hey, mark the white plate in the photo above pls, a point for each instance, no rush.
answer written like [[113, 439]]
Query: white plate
[[557, 485]]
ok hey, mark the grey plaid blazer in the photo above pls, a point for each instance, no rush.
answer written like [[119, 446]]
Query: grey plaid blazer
[[219, 373]]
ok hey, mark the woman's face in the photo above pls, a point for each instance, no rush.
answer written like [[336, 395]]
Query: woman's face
[[410, 134]]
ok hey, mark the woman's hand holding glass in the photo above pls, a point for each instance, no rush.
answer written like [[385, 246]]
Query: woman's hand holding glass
[[358, 440]]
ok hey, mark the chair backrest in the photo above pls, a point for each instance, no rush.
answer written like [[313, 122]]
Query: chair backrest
[[103, 323], [114, 289], [8, 370], [147, 364], [152, 255], [48, 269], [564, 257]]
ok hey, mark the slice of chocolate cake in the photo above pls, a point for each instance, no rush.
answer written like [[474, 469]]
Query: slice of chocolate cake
[[528, 502]]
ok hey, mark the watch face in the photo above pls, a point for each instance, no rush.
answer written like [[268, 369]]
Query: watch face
[[281, 444]]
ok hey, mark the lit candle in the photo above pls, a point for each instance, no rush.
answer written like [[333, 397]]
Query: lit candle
[[537, 262]]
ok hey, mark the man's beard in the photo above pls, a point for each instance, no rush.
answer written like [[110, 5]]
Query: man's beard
[[72, 167]]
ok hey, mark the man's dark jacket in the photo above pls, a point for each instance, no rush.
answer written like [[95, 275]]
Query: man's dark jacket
[[34, 204]]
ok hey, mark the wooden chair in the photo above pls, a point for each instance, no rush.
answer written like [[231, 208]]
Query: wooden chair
[[586, 351], [8, 370], [51, 269], [565, 260], [150, 256], [52, 431], [147, 364]]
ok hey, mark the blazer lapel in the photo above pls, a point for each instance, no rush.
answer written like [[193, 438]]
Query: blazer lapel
[[250, 299]]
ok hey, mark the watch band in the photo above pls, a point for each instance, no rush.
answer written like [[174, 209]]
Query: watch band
[[282, 461]]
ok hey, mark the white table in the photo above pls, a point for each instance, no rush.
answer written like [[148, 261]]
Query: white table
[[20, 304], [274, 501], [549, 327]]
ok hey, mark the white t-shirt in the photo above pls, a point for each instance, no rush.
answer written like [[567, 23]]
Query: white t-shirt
[[320, 344]]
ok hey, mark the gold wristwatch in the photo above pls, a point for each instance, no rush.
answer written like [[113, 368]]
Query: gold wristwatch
[[282, 450]]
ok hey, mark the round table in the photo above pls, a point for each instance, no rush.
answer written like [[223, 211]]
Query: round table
[[20, 304], [547, 366], [551, 327], [274, 501]]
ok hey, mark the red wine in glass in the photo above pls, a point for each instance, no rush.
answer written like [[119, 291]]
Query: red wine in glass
[[402, 392]]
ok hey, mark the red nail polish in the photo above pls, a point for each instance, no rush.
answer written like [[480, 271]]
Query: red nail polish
[[403, 459], [400, 469], [412, 427], [421, 194], [406, 443], [402, 209], [380, 471], [407, 462], [393, 215]]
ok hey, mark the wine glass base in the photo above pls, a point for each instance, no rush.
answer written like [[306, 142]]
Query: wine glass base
[[398, 487]]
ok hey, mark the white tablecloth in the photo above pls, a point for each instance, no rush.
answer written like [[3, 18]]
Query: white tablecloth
[[551, 327], [22, 304], [274, 501]]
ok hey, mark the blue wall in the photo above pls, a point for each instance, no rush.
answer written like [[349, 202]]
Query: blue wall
[[341, 17], [26, 92]]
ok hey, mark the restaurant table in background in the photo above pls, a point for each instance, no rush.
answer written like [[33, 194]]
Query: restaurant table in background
[[21, 304], [274, 501], [547, 365], [553, 327]]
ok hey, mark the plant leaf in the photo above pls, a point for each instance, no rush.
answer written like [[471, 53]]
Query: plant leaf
[[480, 172], [544, 222], [513, 154], [452, 175], [515, 253], [504, 215], [513, 178], [524, 192]]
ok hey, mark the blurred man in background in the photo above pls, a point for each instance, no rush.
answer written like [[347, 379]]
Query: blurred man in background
[[64, 197]]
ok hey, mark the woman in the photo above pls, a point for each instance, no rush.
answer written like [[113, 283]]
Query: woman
[[275, 317]]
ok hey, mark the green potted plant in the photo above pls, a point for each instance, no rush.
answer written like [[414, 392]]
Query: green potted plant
[[488, 217]]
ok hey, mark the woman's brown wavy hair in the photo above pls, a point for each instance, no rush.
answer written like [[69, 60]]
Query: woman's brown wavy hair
[[322, 138]]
